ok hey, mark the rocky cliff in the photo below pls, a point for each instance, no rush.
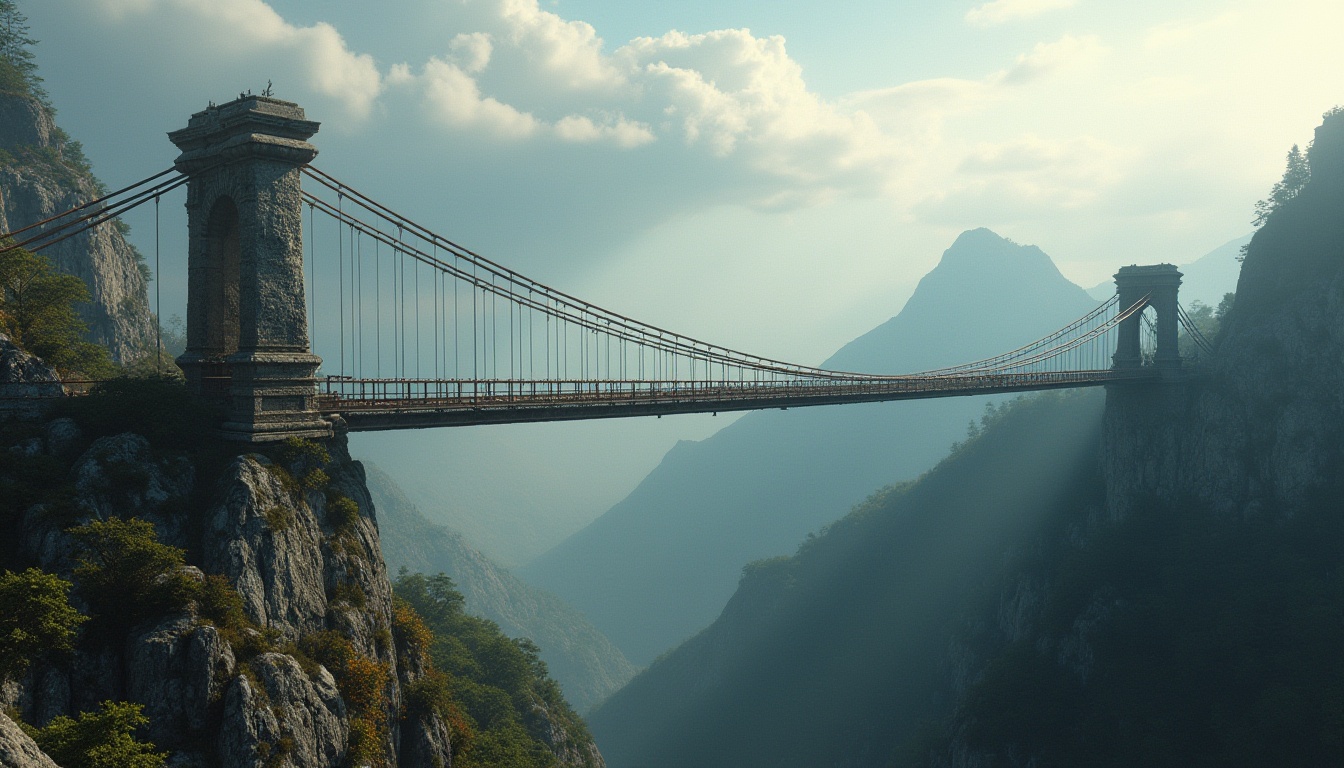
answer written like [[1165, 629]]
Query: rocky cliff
[[272, 637], [304, 560], [1261, 429], [39, 179]]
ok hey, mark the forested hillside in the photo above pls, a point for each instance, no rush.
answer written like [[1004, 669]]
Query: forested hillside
[[585, 663], [850, 635]]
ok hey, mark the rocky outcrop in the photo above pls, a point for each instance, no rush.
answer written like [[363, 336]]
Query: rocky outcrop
[[37, 182], [28, 386], [272, 555], [19, 751], [280, 716], [24, 122], [295, 536], [180, 667]]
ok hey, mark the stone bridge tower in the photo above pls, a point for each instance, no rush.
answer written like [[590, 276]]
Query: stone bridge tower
[[247, 328], [1160, 283]]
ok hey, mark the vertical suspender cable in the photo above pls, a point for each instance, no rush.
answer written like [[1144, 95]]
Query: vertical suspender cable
[[475, 367], [357, 278], [378, 308], [415, 265], [456, 372], [312, 277], [438, 317], [340, 268], [158, 306], [354, 323]]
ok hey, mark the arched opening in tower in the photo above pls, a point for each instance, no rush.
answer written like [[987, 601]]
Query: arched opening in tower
[[223, 264]]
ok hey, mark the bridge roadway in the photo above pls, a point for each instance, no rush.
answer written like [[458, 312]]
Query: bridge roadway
[[371, 405]]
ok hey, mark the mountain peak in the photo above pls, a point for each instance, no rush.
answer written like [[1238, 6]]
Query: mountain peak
[[982, 247], [982, 275]]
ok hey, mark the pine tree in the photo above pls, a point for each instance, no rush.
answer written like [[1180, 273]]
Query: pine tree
[[18, 67], [1295, 177]]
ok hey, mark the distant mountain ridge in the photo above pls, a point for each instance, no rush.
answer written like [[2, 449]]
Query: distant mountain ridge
[[586, 664], [661, 564]]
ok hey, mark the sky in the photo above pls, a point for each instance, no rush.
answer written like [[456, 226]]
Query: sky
[[772, 176]]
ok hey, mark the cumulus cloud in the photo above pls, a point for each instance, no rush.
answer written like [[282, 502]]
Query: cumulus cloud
[[1000, 11], [454, 98], [317, 53], [570, 52], [727, 97], [739, 96]]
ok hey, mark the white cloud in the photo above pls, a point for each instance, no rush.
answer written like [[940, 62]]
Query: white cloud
[[582, 130], [472, 51], [1027, 178], [1000, 11], [741, 97], [1047, 58], [568, 52], [454, 99], [253, 29]]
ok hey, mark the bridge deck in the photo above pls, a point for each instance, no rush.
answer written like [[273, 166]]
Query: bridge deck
[[503, 402]]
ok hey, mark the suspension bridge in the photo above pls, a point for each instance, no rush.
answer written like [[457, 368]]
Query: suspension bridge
[[420, 331]]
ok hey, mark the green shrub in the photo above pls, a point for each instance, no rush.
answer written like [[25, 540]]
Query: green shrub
[[102, 739], [349, 593], [315, 480], [342, 513], [297, 449], [127, 575], [35, 619], [279, 517], [432, 693]]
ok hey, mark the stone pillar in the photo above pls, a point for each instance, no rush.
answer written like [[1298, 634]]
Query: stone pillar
[[1160, 283], [247, 326]]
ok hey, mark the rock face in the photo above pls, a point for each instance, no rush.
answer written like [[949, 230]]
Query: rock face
[[303, 556], [36, 183], [19, 751], [284, 712], [27, 385]]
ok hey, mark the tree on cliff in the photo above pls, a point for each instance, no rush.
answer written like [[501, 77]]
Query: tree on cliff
[[1295, 177], [36, 619], [18, 70], [37, 311]]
